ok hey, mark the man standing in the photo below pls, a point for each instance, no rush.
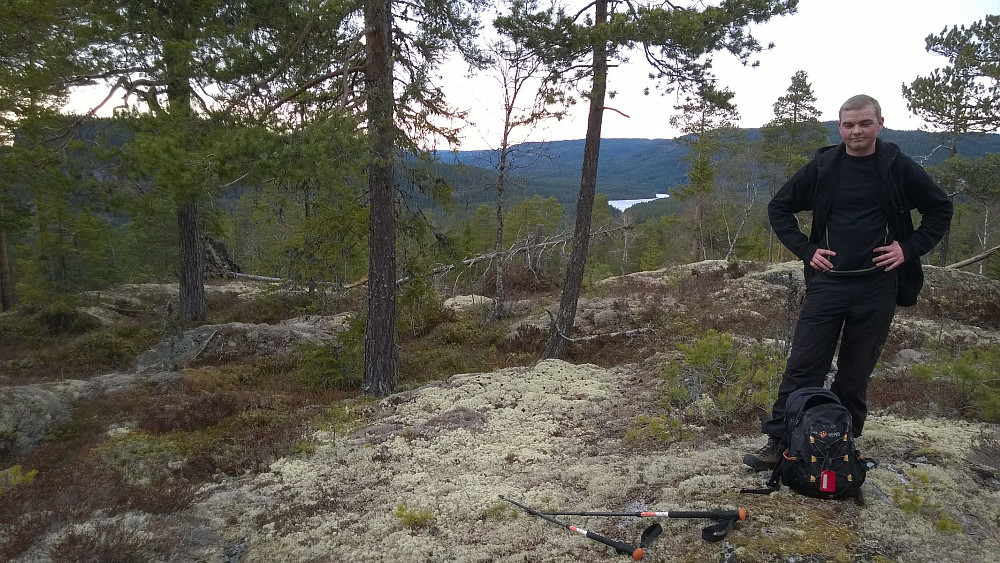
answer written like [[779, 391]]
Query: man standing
[[862, 258]]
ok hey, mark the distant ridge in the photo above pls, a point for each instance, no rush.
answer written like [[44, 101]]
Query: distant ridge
[[640, 168]]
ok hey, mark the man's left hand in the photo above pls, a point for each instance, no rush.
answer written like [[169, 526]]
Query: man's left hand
[[889, 257]]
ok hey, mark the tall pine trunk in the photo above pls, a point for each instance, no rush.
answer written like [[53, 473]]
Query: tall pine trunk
[[381, 356], [192, 284], [952, 189], [501, 255], [177, 58], [563, 325], [6, 282], [698, 246]]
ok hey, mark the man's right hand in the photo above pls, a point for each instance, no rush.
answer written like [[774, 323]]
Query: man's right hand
[[819, 260]]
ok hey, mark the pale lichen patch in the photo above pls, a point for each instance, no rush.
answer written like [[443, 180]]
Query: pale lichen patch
[[541, 436]]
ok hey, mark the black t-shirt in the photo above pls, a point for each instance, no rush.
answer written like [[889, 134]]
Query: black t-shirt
[[857, 223]]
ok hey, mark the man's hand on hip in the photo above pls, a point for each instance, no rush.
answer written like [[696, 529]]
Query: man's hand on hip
[[819, 260], [889, 257]]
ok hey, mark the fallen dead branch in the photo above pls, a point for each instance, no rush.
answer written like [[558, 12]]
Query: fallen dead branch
[[974, 259], [519, 247]]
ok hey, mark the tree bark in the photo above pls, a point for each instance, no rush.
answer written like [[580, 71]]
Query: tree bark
[[6, 282], [381, 356], [697, 247], [498, 294], [192, 283], [563, 326]]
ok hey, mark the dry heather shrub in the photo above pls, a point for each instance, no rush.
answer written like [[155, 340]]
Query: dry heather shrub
[[959, 302], [701, 283], [109, 541], [272, 307], [73, 489], [520, 281], [907, 396], [187, 413], [528, 339], [607, 351], [71, 355], [249, 442]]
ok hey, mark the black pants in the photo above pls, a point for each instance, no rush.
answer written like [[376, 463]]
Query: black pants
[[857, 310]]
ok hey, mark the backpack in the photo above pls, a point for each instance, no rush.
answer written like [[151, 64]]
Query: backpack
[[821, 459]]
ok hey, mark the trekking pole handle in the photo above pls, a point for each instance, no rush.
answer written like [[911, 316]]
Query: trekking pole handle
[[619, 546], [740, 514]]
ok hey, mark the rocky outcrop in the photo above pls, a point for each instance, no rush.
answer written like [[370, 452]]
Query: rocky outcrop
[[29, 413]]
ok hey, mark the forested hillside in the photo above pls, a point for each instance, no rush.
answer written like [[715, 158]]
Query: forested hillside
[[641, 168]]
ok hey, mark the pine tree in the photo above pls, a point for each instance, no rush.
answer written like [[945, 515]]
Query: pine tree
[[34, 48], [792, 136], [516, 68], [439, 25], [963, 97], [795, 132], [578, 49], [705, 119]]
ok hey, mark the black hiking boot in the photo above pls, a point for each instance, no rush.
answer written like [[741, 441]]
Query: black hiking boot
[[767, 457]]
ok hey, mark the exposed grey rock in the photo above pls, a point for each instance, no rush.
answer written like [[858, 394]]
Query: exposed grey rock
[[28, 414]]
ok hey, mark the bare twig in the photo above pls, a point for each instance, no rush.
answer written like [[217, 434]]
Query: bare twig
[[557, 240]]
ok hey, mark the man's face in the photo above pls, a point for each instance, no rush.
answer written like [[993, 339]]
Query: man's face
[[859, 128]]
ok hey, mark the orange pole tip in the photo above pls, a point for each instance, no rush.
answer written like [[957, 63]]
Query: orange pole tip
[[637, 554], [743, 514]]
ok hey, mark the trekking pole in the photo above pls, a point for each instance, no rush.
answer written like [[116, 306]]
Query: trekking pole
[[623, 548], [713, 533]]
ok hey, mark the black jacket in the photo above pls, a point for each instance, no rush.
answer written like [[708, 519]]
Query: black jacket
[[905, 186]]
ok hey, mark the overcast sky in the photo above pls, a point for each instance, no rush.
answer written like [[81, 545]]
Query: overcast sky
[[846, 47]]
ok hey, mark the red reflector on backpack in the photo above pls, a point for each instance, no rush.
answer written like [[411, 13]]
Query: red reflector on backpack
[[828, 481]]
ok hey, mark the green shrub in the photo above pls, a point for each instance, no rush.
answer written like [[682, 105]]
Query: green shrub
[[970, 378], [595, 272], [916, 498], [741, 379], [419, 308], [499, 511], [62, 317], [339, 366], [946, 523]]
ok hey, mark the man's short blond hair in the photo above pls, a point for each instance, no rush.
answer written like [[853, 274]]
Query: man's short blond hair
[[859, 102]]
